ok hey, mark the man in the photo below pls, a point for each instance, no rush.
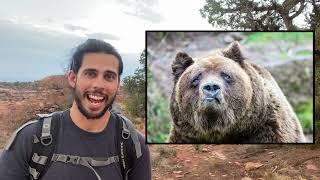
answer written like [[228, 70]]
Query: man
[[87, 130]]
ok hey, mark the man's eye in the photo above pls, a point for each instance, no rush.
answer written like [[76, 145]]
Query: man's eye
[[90, 74], [110, 77]]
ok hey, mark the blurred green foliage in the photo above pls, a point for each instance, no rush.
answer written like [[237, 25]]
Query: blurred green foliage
[[305, 114], [317, 79], [262, 37], [303, 52], [134, 87], [159, 119]]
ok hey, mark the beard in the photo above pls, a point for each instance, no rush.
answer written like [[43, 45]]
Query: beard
[[108, 105]]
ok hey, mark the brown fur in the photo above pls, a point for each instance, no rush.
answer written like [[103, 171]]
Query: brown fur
[[251, 108]]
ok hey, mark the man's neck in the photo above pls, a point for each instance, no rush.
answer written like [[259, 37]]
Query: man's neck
[[89, 125]]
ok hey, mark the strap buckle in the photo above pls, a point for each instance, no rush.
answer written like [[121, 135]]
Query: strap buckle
[[125, 133], [73, 159], [46, 140]]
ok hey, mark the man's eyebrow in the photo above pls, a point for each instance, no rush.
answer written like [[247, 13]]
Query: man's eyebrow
[[109, 71], [90, 69], [105, 72]]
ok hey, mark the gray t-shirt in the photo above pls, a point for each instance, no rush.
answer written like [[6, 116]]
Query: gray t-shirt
[[73, 141]]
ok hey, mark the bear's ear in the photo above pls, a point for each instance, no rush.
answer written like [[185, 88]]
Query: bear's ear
[[181, 62], [233, 51]]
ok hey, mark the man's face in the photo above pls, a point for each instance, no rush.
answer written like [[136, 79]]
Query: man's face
[[96, 83]]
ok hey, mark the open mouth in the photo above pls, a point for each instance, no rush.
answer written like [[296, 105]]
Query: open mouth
[[95, 99]]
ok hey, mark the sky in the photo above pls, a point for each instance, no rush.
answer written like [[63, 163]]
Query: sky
[[38, 36]]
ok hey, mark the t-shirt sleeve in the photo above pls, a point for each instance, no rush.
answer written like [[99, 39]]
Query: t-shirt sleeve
[[142, 167], [14, 162]]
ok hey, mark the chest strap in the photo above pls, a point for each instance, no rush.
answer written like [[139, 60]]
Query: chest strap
[[89, 162]]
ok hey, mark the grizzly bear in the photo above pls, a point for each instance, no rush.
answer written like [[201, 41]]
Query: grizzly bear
[[224, 98]]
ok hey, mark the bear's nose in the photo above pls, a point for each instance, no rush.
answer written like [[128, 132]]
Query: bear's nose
[[211, 89]]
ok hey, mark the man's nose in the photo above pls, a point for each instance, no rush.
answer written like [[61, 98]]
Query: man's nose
[[99, 82]]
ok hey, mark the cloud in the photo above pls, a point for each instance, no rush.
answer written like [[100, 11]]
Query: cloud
[[102, 36], [59, 9], [143, 9], [74, 27], [147, 14], [28, 53]]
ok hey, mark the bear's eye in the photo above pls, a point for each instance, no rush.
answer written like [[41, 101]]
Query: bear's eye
[[195, 81], [226, 77]]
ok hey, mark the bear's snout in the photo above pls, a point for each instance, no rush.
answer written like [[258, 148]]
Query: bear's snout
[[211, 90]]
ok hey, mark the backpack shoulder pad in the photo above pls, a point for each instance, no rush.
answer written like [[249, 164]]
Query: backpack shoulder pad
[[127, 126]]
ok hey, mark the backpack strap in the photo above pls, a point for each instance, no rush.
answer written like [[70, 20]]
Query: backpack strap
[[127, 153], [88, 162], [127, 126], [44, 144]]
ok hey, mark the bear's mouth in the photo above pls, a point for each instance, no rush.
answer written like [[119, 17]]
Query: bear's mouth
[[211, 107], [211, 103], [213, 99]]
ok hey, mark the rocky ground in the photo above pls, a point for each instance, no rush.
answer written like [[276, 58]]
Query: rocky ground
[[20, 102], [245, 162]]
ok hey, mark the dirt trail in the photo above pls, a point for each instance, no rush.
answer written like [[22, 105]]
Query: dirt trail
[[234, 162]]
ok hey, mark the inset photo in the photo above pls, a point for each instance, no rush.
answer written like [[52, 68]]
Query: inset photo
[[229, 87]]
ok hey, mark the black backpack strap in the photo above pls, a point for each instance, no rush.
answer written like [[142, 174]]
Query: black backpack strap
[[44, 144], [127, 126], [127, 142]]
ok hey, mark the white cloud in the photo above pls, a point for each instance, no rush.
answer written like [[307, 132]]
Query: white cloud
[[182, 15], [125, 19], [48, 30]]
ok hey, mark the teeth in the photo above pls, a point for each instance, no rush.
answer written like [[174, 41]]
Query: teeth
[[98, 98]]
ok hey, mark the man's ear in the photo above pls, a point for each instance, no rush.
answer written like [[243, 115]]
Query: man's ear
[[180, 64], [233, 52], [72, 78]]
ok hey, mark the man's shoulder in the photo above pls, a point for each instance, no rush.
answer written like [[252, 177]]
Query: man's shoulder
[[142, 140], [136, 133], [25, 131]]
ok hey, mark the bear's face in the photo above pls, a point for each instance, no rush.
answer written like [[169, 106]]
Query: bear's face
[[211, 91]]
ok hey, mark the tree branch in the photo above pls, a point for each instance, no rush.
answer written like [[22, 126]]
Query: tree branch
[[302, 6]]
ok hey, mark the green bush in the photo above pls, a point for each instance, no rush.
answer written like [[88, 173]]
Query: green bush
[[158, 123], [261, 37], [134, 87], [305, 114]]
